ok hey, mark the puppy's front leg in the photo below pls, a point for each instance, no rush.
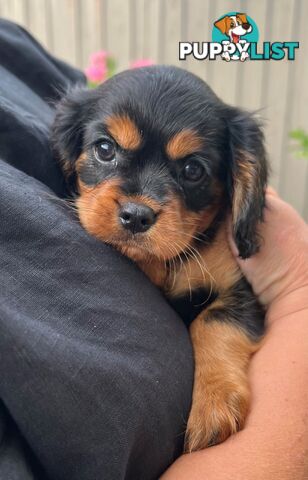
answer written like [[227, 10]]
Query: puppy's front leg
[[220, 401]]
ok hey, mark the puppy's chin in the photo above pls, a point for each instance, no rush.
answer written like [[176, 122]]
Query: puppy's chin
[[135, 247], [142, 248], [135, 250]]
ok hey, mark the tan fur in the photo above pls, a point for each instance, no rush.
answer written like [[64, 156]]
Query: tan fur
[[124, 131], [96, 207], [221, 392], [80, 161], [244, 183], [67, 168], [183, 143], [213, 268], [223, 24], [155, 270], [242, 17]]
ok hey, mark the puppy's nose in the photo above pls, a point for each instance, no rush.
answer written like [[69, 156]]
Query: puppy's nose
[[246, 26], [137, 217]]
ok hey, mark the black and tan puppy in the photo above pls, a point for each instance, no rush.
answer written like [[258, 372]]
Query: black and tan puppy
[[157, 162]]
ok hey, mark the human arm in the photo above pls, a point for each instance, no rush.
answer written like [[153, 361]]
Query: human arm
[[274, 442]]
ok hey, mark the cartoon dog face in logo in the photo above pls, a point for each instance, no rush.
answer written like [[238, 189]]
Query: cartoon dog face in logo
[[234, 26]]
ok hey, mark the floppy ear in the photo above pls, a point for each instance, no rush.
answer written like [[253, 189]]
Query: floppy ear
[[222, 25], [243, 17], [68, 128], [248, 173]]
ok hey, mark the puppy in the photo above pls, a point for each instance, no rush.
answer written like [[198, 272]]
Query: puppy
[[157, 163]]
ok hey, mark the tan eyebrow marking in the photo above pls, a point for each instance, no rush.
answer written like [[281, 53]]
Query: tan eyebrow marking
[[124, 131], [183, 143]]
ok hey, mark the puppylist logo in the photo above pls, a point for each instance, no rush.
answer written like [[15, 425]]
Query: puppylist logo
[[235, 37]]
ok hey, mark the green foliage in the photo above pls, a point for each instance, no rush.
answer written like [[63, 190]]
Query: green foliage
[[301, 138], [111, 66], [91, 84]]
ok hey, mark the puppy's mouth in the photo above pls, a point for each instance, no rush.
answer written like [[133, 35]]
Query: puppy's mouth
[[137, 246]]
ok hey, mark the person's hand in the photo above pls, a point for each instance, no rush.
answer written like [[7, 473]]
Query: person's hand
[[280, 269]]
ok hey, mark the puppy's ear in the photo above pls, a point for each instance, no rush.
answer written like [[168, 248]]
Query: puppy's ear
[[248, 173], [72, 112], [222, 25]]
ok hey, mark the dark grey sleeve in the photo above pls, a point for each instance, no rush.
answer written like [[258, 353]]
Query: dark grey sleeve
[[96, 369]]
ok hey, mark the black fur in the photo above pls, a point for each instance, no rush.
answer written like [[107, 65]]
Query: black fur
[[246, 144], [72, 114], [189, 306], [242, 308]]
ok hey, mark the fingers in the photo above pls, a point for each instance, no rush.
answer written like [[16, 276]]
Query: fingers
[[271, 191], [282, 261]]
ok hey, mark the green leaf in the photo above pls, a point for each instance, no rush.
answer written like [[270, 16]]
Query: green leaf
[[112, 66], [92, 84], [301, 138]]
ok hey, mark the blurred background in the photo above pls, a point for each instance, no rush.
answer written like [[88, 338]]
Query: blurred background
[[130, 30]]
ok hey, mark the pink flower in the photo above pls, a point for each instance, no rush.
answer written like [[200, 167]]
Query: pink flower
[[99, 58], [142, 62], [97, 70], [102, 66], [96, 73]]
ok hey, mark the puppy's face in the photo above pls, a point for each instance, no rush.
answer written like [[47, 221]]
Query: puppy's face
[[150, 175], [151, 152]]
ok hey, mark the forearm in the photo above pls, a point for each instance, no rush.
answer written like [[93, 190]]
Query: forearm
[[274, 442]]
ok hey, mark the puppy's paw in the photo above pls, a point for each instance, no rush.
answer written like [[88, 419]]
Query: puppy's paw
[[215, 415]]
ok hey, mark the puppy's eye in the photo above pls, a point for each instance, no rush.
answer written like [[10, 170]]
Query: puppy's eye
[[193, 171], [104, 151], [232, 25]]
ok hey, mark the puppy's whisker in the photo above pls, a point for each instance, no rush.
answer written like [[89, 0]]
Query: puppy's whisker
[[194, 254], [174, 256], [188, 276], [203, 268], [185, 253]]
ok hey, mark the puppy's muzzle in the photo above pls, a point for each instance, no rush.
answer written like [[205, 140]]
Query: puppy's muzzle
[[136, 217], [246, 26]]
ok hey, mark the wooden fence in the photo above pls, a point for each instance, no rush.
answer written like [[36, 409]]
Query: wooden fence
[[131, 29]]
